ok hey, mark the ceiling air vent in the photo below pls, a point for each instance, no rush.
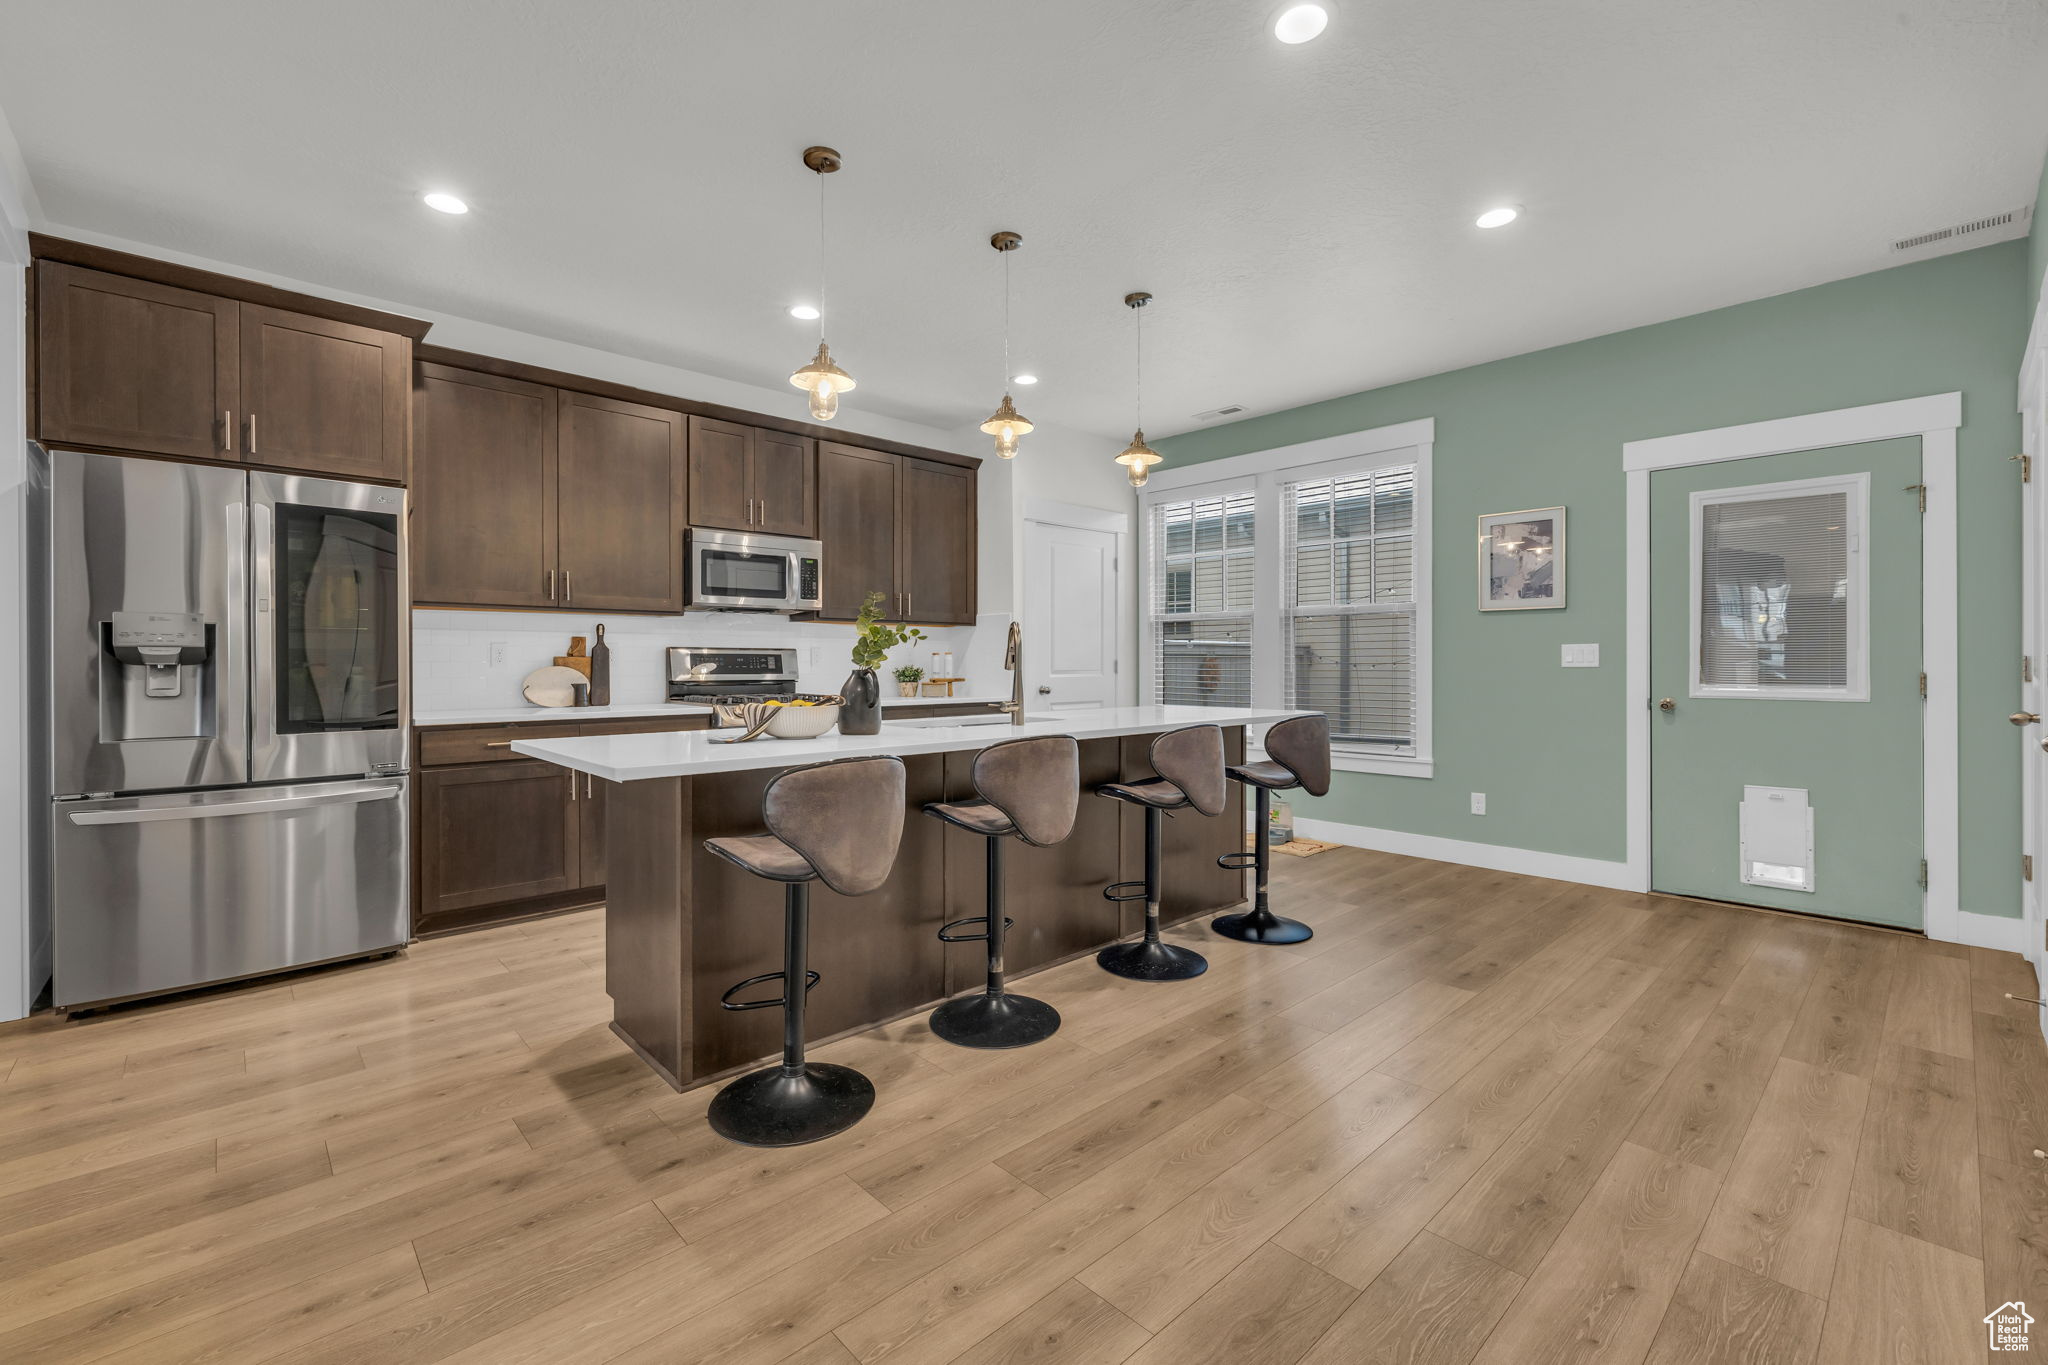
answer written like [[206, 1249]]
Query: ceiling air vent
[[2013, 218], [1227, 410]]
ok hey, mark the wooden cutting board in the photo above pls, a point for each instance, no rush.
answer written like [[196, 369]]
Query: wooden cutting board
[[579, 662]]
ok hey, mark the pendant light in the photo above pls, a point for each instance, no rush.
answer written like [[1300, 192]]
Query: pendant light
[[824, 380], [1006, 424], [1137, 456]]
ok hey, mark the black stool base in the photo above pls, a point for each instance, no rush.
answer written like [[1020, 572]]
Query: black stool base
[[995, 1021], [1261, 926], [767, 1108], [1142, 961]]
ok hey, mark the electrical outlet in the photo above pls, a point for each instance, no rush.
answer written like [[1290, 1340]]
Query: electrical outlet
[[497, 654], [1479, 803]]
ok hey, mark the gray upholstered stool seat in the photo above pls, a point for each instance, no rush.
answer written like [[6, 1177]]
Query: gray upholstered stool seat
[[977, 817], [1146, 791], [1297, 755], [838, 823], [1270, 775], [764, 855], [1189, 762], [1029, 789]]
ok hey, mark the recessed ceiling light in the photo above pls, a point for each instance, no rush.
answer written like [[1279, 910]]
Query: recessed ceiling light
[[1025, 378], [803, 312], [446, 203], [1499, 217], [1300, 23]]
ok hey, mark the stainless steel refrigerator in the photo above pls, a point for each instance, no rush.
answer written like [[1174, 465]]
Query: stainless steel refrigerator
[[227, 696]]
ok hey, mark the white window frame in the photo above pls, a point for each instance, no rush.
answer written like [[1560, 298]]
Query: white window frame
[[1265, 472], [1856, 487]]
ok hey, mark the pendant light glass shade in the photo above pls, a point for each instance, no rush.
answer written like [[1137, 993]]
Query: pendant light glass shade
[[1139, 458], [826, 382], [1006, 424], [822, 379]]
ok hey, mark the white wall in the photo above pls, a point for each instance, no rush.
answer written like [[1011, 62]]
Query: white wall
[[24, 954]]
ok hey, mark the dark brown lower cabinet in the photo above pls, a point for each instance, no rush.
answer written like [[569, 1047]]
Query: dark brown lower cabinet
[[491, 834], [498, 837]]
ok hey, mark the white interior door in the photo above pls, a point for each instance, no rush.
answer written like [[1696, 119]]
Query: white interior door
[[2034, 645], [1070, 627]]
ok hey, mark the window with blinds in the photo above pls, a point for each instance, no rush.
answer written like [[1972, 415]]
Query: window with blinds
[[1203, 583], [1779, 604], [1350, 623]]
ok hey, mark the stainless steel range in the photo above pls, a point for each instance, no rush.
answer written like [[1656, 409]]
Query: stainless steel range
[[707, 676], [225, 698]]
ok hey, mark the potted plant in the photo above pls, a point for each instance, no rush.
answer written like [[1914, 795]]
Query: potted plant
[[873, 638], [907, 678]]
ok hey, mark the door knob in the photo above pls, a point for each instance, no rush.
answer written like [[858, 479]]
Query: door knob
[[1667, 705], [1043, 690], [2023, 718]]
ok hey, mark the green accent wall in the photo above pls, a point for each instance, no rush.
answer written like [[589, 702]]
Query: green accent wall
[[2037, 244], [1548, 744]]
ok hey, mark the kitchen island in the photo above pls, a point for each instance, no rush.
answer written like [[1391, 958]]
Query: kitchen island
[[682, 924]]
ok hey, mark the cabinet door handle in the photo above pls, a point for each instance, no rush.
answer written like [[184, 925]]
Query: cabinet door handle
[[568, 592], [252, 433], [497, 744], [763, 515], [590, 784], [227, 430], [551, 585], [572, 786]]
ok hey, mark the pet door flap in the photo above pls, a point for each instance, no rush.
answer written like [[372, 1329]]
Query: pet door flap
[[1777, 838]]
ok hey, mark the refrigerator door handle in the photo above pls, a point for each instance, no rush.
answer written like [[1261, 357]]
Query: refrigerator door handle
[[256, 806]]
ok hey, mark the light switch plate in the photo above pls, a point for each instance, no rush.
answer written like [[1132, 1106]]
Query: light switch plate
[[1580, 656]]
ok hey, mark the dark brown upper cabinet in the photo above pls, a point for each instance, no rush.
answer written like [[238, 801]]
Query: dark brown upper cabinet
[[136, 365], [131, 364], [483, 490], [621, 507], [322, 395], [857, 491], [936, 542], [525, 495], [745, 478], [900, 526]]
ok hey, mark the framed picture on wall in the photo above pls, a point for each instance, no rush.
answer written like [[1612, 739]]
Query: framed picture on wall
[[1521, 560]]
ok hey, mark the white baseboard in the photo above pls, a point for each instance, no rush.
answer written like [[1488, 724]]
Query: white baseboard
[[2007, 933], [1495, 857]]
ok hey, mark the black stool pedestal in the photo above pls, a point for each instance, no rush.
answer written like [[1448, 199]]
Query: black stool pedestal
[[995, 1018], [1259, 924], [773, 1108], [798, 1101], [1149, 959]]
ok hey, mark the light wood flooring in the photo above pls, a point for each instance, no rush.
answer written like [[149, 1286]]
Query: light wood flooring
[[1478, 1118]]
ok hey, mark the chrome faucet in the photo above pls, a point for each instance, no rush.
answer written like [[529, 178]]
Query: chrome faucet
[[1013, 659]]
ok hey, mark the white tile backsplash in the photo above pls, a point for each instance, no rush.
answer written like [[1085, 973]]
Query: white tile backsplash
[[452, 670]]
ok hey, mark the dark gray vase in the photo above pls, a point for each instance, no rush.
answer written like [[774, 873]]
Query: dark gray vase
[[860, 710]]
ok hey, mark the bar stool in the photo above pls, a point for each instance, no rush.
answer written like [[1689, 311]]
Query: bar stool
[[838, 823], [1189, 762], [1297, 755], [1030, 788]]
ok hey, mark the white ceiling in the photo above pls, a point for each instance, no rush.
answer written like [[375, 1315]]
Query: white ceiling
[[1304, 215]]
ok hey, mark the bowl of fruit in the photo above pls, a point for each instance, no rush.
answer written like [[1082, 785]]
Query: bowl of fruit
[[804, 716]]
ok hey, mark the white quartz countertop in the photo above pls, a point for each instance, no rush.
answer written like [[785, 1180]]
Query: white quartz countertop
[[569, 715], [631, 758]]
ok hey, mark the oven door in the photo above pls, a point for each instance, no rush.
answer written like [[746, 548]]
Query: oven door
[[329, 684], [737, 573]]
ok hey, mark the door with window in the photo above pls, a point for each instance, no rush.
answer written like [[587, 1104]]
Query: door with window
[[1785, 665]]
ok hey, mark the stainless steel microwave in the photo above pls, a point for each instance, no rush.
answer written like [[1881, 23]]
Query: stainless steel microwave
[[743, 571]]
